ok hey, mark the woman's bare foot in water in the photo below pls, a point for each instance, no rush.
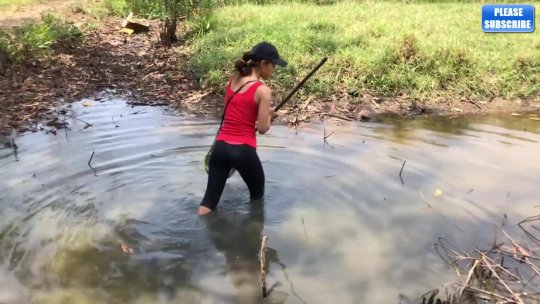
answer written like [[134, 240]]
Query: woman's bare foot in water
[[204, 210]]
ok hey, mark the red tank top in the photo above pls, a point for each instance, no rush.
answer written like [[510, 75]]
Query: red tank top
[[240, 116]]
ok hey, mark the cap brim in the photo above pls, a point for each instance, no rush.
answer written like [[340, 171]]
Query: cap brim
[[280, 62]]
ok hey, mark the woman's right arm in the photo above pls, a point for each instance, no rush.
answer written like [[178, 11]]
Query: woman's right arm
[[264, 96]]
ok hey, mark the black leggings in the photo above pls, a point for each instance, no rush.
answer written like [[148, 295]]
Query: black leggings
[[244, 159]]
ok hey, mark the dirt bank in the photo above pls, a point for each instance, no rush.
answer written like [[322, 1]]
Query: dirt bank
[[140, 70], [17, 15]]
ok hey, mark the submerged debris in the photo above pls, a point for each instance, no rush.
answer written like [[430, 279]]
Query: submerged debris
[[508, 272]]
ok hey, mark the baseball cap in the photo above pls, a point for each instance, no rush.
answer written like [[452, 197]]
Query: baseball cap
[[266, 51]]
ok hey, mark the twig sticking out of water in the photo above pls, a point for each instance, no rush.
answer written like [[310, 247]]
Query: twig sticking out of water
[[326, 136], [401, 171], [263, 262], [14, 145], [305, 233], [296, 121], [90, 160], [112, 118], [423, 198], [291, 285], [76, 118], [15, 149]]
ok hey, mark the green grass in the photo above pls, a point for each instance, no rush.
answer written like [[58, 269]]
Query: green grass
[[36, 39], [422, 50], [101, 9]]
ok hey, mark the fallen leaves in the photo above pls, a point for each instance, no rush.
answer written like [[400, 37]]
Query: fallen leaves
[[135, 67]]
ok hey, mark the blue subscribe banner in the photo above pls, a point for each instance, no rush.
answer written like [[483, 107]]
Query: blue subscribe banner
[[508, 18]]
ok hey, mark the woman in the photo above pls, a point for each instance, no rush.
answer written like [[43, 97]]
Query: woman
[[248, 112]]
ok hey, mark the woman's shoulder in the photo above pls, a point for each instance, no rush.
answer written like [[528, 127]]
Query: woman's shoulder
[[263, 90], [262, 86]]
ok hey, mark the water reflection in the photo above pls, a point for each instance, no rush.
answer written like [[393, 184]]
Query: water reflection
[[238, 236], [344, 224]]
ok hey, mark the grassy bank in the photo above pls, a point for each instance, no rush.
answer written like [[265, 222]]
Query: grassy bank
[[422, 50], [36, 39]]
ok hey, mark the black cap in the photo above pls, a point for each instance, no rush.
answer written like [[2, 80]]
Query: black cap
[[266, 51]]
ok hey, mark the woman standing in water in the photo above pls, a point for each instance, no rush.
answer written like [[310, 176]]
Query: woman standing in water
[[236, 143]]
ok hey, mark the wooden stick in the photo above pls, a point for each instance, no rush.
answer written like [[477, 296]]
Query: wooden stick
[[306, 104], [114, 124], [469, 276], [325, 142], [305, 233], [520, 249], [14, 145], [515, 296], [337, 116], [90, 160], [499, 266], [474, 103], [300, 84], [401, 171], [489, 293], [326, 136], [422, 195], [87, 123], [263, 258]]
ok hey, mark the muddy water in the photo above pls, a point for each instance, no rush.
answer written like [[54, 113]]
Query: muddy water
[[342, 226]]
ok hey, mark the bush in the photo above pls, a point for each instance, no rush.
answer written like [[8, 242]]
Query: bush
[[37, 39]]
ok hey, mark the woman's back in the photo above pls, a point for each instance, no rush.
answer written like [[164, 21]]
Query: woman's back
[[240, 115]]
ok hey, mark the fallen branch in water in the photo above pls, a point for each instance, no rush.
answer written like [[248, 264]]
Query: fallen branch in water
[[337, 116], [138, 112], [263, 262], [155, 104]]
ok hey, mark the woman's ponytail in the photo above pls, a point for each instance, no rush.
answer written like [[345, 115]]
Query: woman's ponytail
[[244, 65]]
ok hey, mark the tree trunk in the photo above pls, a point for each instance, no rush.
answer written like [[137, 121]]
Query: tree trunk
[[168, 30]]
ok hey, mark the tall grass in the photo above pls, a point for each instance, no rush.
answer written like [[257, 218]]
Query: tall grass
[[419, 50]]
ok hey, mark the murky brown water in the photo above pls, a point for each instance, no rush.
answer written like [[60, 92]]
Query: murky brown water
[[342, 226]]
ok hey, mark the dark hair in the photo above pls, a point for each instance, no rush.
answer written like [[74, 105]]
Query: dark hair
[[244, 66]]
